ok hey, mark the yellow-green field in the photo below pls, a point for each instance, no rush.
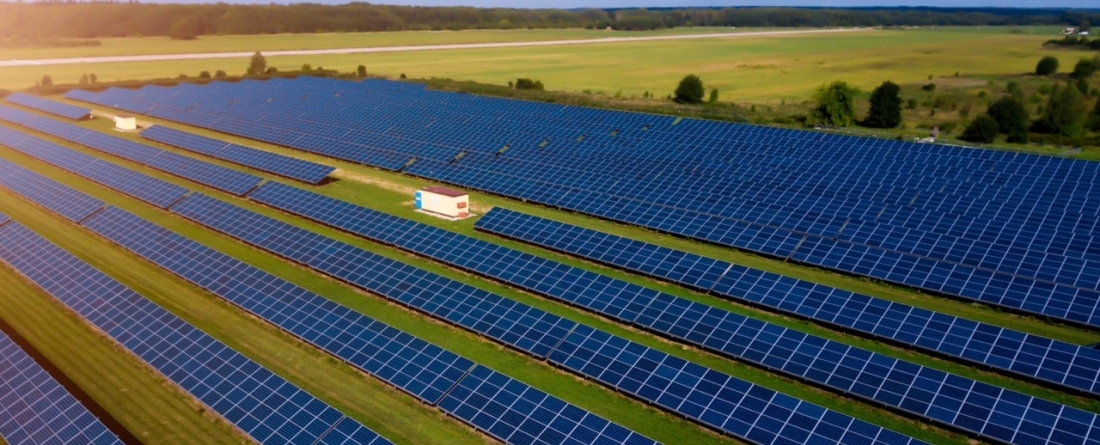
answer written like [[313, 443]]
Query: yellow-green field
[[744, 69]]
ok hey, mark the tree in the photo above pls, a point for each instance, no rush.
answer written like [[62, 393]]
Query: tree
[[1082, 85], [1065, 113], [362, 71], [185, 29], [690, 90], [1085, 68], [835, 105], [1094, 119], [1047, 66], [713, 96], [46, 81], [982, 130], [257, 65], [528, 84], [84, 79], [403, 76], [219, 74], [92, 78], [306, 67], [204, 75], [1011, 117], [271, 70], [885, 106]]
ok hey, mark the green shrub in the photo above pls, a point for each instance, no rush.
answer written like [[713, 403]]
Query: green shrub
[[690, 90], [982, 130], [1047, 66], [885, 106]]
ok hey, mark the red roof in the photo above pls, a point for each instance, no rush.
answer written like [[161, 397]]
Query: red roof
[[444, 191]]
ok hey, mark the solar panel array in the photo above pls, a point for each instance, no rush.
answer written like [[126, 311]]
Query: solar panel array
[[146, 188], [71, 204], [514, 324], [297, 169], [49, 106], [419, 368], [261, 404], [410, 364], [1067, 365], [36, 409], [980, 408], [215, 176], [1007, 229]]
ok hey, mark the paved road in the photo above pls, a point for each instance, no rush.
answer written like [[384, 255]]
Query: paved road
[[388, 49]]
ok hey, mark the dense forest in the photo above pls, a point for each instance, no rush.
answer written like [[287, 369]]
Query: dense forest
[[89, 20]]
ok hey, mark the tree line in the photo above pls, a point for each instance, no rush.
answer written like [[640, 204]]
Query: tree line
[[89, 20]]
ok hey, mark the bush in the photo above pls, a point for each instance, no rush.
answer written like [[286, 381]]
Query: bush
[[690, 90], [204, 75], [403, 77], [528, 84], [911, 104], [929, 87], [361, 71], [46, 81], [92, 78], [1065, 113], [885, 106], [220, 74], [307, 67], [835, 105], [84, 79], [1011, 117], [1047, 65], [1012, 86], [1085, 68], [713, 96], [982, 130], [257, 65]]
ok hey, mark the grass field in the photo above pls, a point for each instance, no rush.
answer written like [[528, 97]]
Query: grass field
[[392, 193], [748, 69]]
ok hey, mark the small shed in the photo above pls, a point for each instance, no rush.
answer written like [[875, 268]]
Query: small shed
[[443, 201], [125, 123]]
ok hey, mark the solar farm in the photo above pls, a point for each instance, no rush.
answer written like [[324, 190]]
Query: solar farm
[[249, 268]]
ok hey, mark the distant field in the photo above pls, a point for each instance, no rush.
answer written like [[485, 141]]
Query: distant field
[[751, 69]]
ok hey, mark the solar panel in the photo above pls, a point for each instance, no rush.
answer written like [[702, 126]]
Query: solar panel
[[49, 106], [430, 293], [879, 206], [14, 116], [1027, 355], [36, 409], [4, 219], [263, 405], [305, 171], [71, 204], [211, 175], [146, 188], [764, 344], [417, 367], [514, 412]]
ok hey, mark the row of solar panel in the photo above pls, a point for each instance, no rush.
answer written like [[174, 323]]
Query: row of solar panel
[[814, 359], [261, 404], [36, 409], [1054, 268], [419, 368], [410, 364], [666, 381], [1012, 292], [305, 171], [1071, 366], [214, 176], [151, 190], [49, 106]]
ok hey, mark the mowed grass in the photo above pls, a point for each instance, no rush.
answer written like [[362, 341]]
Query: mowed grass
[[596, 398], [136, 46], [743, 69]]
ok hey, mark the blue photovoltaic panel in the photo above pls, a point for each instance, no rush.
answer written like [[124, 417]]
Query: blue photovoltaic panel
[[4, 219], [433, 294], [1007, 229], [146, 188], [71, 204], [36, 409], [14, 116], [263, 405], [520, 326], [1032, 356], [764, 344], [211, 175], [516, 413], [305, 171], [420, 368], [49, 106]]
